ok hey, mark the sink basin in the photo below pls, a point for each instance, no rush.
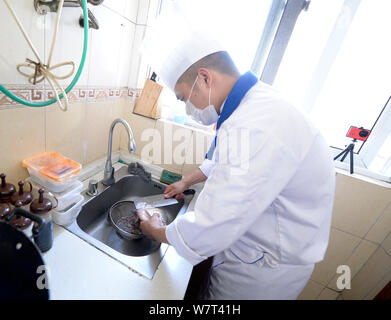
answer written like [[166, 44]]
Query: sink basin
[[92, 224]]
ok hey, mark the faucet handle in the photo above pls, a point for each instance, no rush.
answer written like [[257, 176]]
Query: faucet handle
[[92, 188]]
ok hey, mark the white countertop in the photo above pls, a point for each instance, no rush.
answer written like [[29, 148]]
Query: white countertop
[[77, 270]]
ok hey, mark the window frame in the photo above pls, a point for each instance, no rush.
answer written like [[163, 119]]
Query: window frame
[[278, 28], [381, 128], [380, 131], [286, 25]]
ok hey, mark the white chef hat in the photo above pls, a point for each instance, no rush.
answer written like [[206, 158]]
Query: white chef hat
[[176, 42]]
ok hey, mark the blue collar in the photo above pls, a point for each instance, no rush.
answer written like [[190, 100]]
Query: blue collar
[[239, 90]]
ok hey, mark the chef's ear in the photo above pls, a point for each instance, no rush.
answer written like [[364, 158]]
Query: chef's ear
[[206, 76]]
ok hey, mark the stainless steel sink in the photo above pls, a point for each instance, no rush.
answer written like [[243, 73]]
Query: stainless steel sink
[[142, 255]]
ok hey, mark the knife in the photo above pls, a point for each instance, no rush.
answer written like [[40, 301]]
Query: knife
[[157, 201], [153, 201]]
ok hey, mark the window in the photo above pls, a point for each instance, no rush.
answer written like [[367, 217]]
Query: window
[[330, 58], [337, 67]]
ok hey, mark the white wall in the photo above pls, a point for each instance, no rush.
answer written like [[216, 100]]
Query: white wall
[[100, 96], [110, 48]]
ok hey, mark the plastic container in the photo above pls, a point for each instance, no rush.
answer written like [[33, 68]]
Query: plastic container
[[51, 185], [64, 198], [52, 170], [67, 215]]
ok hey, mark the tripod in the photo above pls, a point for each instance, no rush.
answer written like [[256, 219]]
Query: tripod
[[349, 149]]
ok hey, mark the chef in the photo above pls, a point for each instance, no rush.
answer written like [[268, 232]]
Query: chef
[[264, 212]]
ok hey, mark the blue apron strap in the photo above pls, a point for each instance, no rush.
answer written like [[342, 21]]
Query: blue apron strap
[[209, 154], [239, 90]]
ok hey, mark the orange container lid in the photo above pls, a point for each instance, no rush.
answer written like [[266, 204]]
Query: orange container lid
[[42, 160], [61, 170], [53, 165]]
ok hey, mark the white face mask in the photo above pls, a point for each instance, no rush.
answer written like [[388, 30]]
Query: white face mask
[[205, 116]]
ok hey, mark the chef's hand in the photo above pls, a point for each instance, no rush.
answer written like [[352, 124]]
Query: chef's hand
[[176, 190], [152, 226]]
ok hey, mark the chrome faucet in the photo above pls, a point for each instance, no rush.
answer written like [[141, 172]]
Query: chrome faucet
[[108, 178]]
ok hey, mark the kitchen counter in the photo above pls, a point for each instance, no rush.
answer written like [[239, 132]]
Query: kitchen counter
[[77, 270]]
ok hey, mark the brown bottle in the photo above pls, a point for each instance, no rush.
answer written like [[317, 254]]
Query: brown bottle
[[42, 206], [20, 222], [5, 210], [24, 196], [6, 189]]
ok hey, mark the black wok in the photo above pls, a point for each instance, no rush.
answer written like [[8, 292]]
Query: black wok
[[20, 275]]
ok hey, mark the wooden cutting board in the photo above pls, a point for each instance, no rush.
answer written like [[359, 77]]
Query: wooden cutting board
[[148, 102]]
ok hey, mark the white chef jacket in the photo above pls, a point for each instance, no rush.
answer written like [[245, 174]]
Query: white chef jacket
[[268, 198]]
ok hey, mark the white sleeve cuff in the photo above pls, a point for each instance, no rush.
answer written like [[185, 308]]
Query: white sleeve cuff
[[207, 166], [175, 239]]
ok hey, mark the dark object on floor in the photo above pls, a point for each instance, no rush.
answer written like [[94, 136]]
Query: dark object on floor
[[385, 294], [199, 280]]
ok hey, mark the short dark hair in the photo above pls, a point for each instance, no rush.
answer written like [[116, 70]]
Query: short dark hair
[[219, 61]]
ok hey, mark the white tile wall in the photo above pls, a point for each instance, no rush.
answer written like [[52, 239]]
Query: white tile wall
[[109, 58], [134, 72], [13, 47], [125, 53], [109, 63], [69, 43], [106, 47], [126, 8]]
